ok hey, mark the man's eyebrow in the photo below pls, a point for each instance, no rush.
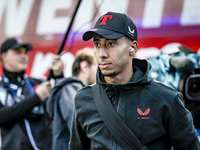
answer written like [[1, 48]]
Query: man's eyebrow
[[95, 39], [112, 39]]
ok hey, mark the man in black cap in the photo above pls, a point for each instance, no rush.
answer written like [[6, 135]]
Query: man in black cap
[[127, 109], [24, 124]]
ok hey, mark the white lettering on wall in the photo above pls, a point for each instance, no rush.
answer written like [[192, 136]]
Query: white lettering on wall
[[190, 13], [41, 64], [48, 23], [86, 11], [17, 16], [153, 12], [84, 15], [109, 5], [3, 4], [68, 59]]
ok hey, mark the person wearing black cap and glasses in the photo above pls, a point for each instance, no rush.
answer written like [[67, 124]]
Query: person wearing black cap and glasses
[[127, 109], [23, 121]]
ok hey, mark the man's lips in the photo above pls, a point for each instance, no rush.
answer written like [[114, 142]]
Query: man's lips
[[103, 66], [23, 62]]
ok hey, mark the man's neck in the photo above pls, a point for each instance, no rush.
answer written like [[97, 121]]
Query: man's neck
[[120, 80], [14, 77]]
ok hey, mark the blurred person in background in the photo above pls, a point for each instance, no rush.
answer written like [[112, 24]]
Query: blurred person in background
[[173, 62], [178, 66], [24, 124], [61, 100]]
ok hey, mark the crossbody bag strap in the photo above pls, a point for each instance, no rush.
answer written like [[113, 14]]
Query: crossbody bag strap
[[118, 128]]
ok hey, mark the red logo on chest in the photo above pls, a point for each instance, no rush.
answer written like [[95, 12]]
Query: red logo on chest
[[143, 114]]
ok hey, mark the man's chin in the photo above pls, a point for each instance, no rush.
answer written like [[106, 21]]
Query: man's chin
[[21, 69], [109, 74]]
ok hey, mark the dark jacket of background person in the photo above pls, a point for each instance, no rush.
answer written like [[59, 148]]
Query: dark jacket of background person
[[60, 104], [13, 130], [173, 67], [163, 123], [60, 107]]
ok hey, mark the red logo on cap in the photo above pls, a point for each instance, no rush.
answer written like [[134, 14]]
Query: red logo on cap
[[18, 40], [104, 19]]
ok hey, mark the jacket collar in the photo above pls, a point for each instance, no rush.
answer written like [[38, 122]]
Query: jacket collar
[[141, 69]]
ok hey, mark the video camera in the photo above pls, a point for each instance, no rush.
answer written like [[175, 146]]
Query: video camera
[[191, 94], [190, 87]]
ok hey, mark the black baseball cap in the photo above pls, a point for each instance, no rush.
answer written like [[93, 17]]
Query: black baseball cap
[[14, 43], [113, 25]]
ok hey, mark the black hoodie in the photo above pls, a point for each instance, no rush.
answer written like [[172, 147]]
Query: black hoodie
[[153, 111]]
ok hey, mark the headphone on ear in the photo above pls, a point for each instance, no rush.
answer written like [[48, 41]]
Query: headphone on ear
[[132, 50]]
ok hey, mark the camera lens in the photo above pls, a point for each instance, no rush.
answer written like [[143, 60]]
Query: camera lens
[[194, 85]]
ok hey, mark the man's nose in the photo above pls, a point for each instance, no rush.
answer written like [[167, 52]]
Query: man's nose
[[103, 52]]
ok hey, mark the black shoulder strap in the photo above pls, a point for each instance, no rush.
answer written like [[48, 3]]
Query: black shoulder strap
[[118, 128]]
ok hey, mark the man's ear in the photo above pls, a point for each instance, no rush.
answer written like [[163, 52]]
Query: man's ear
[[3, 57], [134, 48], [135, 45], [84, 66]]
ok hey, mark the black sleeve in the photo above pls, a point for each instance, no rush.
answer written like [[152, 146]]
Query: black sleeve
[[17, 111], [182, 132], [78, 138]]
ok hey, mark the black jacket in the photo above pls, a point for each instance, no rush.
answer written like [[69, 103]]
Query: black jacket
[[60, 106], [13, 133], [153, 111]]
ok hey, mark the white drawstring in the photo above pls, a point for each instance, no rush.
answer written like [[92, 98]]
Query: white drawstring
[[30, 136]]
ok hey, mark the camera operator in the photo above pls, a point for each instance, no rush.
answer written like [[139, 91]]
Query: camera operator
[[24, 124], [178, 67], [190, 87]]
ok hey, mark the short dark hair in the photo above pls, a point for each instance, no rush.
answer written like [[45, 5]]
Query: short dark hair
[[85, 54]]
